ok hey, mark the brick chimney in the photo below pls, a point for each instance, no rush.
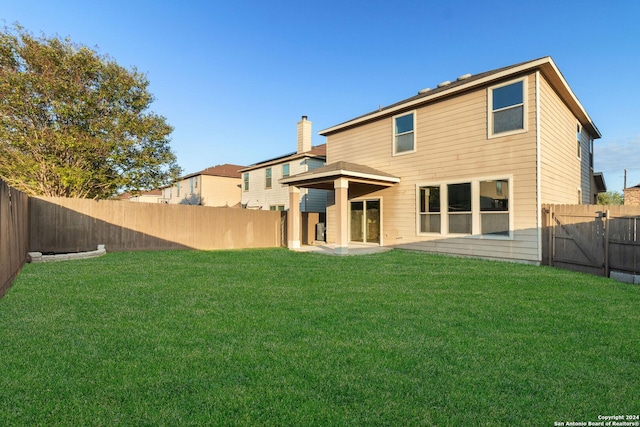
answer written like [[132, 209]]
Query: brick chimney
[[304, 135]]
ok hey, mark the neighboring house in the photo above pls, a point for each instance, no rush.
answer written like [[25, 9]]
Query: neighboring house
[[217, 186], [261, 188], [597, 184], [152, 196], [632, 196], [463, 168]]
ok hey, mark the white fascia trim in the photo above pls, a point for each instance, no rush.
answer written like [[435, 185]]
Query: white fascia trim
[[343, 173], [573, 96]]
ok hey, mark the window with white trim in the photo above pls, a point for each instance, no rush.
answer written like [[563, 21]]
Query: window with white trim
[[578, 144], [476, 207], [245, 179], [285, 170], [267, 178], [506, 108], [404, 133], [430, 209], [494, 207], [459, 208]]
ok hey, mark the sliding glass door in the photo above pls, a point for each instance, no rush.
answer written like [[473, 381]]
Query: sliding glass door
[[365, 221]]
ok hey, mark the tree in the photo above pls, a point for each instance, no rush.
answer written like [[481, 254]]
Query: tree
[[74, 123], [611, 198]]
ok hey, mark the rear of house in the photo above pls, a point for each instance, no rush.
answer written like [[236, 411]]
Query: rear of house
[[472, 162]]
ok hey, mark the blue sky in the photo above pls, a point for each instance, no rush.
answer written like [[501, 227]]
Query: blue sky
[[233, 77]]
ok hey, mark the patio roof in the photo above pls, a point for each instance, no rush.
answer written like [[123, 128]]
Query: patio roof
[[324, 177]]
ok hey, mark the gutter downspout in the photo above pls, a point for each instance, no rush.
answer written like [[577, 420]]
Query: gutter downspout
[[538, 170]]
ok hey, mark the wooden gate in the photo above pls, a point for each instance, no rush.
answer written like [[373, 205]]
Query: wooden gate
[[592, 239]]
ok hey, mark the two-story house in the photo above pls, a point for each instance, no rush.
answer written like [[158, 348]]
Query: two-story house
[[216, 186], [462, 168], [261, 188]]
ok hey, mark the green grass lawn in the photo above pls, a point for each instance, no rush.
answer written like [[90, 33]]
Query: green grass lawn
[[272, 337]]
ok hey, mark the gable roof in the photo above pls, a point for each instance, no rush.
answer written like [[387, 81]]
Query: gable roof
[[472, 82], [318, 152]]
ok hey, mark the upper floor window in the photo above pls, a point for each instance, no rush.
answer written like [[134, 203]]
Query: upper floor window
[[191, 185], [267, 178], [245, 180], [178, 189], [404, 133], [285, 170], [507, 108]]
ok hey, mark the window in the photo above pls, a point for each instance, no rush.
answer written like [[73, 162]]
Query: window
[[478, 207], [267, 178], [190, 185], [591, 152], [245, 179], [276, 207], [285, 170], [494, 207], [507, 108], [178, 190], [578, 147], [459, 208], [403, 133], [430, 209]]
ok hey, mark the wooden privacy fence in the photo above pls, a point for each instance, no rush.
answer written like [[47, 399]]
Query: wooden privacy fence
[[76, 225], [14, 233], [592, 238]]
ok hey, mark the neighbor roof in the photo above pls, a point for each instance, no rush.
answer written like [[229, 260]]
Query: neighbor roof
[[226, 170], [319, 152], [469, 82]]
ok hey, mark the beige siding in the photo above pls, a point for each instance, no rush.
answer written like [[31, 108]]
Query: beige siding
[[562, 172], [219, 191], [146, 198], [214, 191], [451, 146]]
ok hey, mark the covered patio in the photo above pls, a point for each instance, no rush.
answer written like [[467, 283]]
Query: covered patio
[[347, 180]]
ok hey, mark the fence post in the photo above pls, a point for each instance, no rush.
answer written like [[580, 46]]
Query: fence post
[[606, 243], [552, 235]]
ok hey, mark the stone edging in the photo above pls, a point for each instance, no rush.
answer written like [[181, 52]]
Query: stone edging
[[38, 257], [625, 277]]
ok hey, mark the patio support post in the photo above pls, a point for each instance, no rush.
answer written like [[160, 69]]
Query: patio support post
[[341, 186], [293, 218]]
